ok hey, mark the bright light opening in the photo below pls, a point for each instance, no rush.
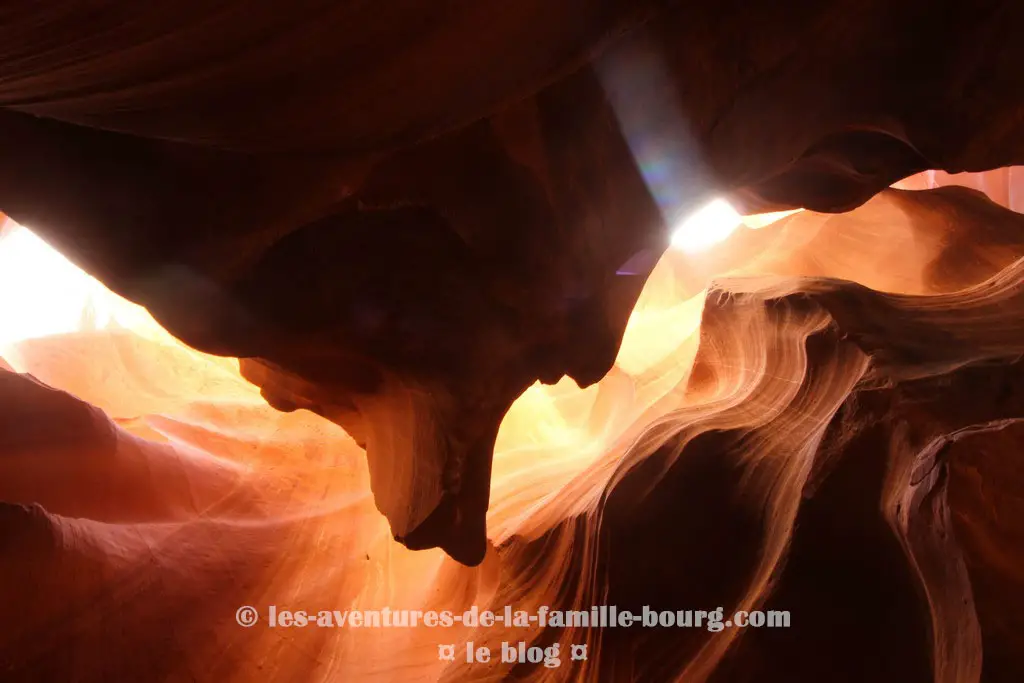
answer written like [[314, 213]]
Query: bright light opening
[[709, 225], [43, 294]]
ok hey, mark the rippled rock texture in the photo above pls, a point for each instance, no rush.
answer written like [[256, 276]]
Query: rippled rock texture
[[774, 436], [400, 216], [404, 215]]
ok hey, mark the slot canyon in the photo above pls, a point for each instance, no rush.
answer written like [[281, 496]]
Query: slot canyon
[[445, 306]]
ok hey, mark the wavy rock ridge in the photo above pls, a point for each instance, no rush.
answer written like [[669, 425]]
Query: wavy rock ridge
[[494, 166], [817, 466], [401, 216], [841, 450]]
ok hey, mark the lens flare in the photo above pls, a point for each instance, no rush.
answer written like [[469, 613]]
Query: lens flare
[[706, 227]]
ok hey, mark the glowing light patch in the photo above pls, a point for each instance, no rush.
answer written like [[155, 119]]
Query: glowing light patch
[[763, 220], [707, 226], [43, 294]]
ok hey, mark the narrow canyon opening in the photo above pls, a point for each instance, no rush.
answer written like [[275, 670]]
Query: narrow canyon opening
[[579, 342], [148, 483]]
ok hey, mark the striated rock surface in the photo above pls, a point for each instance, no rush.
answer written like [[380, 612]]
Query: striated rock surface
[[403, 216], [831, 432]]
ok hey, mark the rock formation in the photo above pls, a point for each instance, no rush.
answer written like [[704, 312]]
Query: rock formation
[[821, 447], [400, 219]]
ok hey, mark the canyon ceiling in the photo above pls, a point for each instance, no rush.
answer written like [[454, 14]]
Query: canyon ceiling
[[401, 215]]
